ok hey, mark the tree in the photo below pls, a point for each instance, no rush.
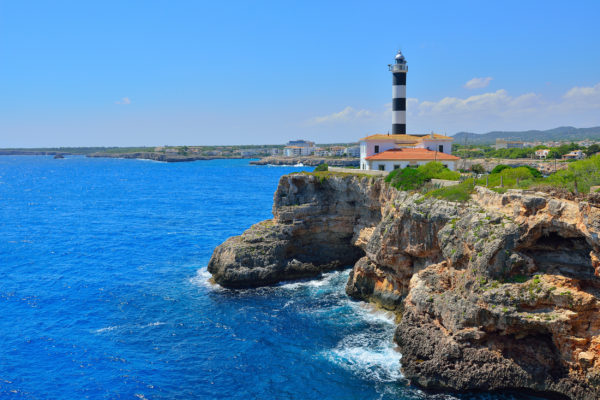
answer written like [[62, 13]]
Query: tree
[[593, 149], [477, 168]]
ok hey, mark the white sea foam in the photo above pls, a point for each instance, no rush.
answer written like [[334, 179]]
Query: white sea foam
[[143, 326], [372, 357], [326, 279], [158, 323], [372, 314], [107, 329], [203, 278]]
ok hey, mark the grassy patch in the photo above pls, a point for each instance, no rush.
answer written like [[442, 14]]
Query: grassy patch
[[459, 193]]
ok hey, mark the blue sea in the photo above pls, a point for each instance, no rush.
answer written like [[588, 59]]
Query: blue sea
[[105, 295]]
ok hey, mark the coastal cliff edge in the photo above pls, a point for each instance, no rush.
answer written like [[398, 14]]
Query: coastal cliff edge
[[501, 292]]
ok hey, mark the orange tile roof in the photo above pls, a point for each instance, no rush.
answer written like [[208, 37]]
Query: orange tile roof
[[412, 155], [405, 138]]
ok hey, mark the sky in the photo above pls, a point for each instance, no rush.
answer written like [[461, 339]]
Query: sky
[[133, 73]]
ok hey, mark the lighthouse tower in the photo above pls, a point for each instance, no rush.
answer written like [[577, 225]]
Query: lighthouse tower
[[399, 70]]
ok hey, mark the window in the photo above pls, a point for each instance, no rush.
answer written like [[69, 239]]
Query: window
[[441, 148], [382, 167], [376, 148], [396, 166]]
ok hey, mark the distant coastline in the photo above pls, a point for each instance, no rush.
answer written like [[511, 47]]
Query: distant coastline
[[170, 157]]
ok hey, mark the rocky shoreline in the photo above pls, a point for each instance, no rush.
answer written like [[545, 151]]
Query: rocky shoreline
[[498, 293], [308, 161]]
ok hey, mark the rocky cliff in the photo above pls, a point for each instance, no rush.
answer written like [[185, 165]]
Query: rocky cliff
[[500, 292]]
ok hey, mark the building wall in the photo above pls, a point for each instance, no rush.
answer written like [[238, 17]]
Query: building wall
[[391, 165], [434, 145], [368, 149], [292, 152]]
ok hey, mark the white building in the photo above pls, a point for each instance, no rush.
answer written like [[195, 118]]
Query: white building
[[353, 151], [299, 148], [294, 151], [321, 152], [291, 151], [574, 155], [388, 152], [249, 152], [542, 153], [337, 151]]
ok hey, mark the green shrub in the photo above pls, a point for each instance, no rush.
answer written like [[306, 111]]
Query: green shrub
[[534, 171], [413, 178], [322, 167], [477, 168], [499, 168], [436, 170], [406, 179], [514, 173]]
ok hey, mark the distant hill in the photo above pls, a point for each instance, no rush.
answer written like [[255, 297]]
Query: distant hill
[[564, 133]]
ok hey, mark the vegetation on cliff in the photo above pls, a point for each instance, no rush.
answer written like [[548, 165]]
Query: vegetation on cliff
[[415, 178], [579, 177], [322, 167]]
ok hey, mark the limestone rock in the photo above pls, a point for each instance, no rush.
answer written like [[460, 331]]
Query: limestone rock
[[502, 292]]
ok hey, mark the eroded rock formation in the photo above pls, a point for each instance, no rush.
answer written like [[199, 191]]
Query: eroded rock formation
[[501, 292], [313, 230]]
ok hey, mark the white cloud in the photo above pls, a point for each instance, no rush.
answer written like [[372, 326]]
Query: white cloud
[[583, 97], [499, 110], [498, 102], [124, 101], [478, 83], [586, 92], [346, 115]]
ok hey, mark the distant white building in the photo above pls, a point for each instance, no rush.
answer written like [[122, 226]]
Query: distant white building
[[574, 155], [388, 152], [542, 153], [249, 152], [337, 151], [353, 151], [509, 144], [299, 148], [320, 152], [292, 151], [276, 151]]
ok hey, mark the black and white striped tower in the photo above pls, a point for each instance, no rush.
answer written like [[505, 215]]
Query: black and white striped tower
[[399, 70]]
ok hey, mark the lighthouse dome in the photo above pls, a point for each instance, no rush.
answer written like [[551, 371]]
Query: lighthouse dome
[[399, 57]]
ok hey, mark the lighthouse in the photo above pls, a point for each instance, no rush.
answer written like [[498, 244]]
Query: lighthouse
[[399, 70]]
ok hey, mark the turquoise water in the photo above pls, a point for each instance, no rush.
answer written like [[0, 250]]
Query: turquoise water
[[104, 292]]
